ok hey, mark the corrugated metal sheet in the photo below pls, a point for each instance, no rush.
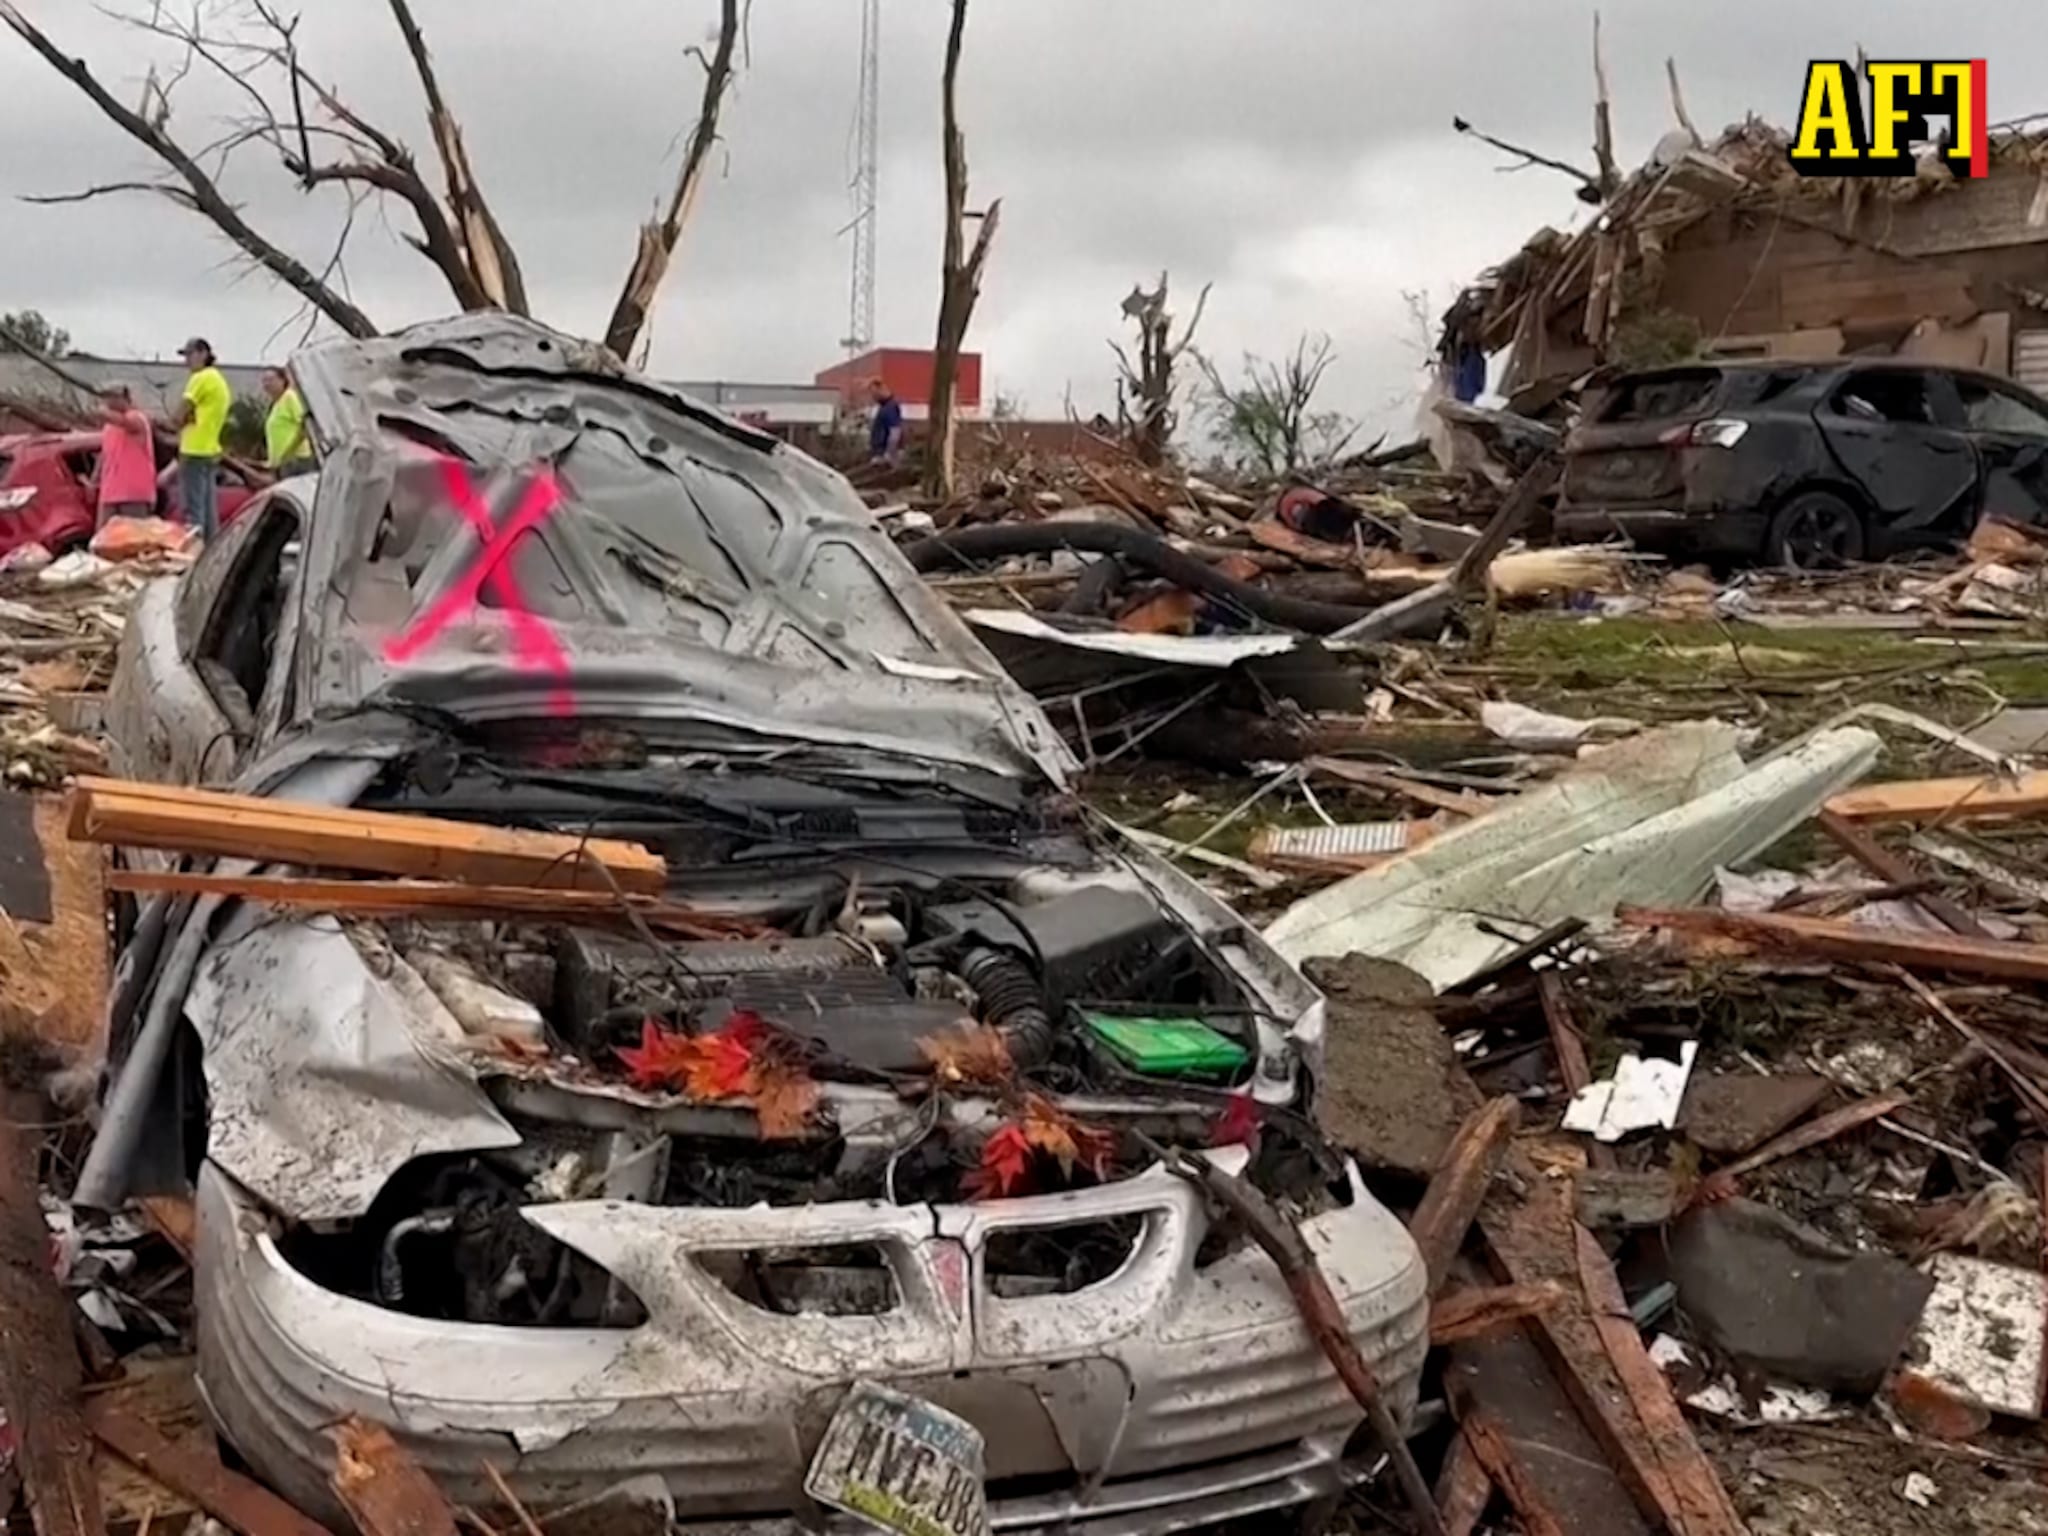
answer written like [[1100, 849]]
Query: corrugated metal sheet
[[2030, 360]]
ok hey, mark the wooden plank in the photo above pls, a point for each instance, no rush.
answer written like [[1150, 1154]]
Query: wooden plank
[[425, 898], [1831, 939], [1721, 1184], [222, 825], [1463, 1490], [1500, 1464], [1484, 1309], [1573, 1069], [1888, 866], [1944, 799], [384, 1490], [1618, 1390], [1458, 1187], [1457, 802], [39, 1375], [239, 1503]]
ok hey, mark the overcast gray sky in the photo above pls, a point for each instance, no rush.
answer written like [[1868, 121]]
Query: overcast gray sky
[[1296, 153]]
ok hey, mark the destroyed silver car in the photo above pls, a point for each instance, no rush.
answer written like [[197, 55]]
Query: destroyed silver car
[[439, 1185]]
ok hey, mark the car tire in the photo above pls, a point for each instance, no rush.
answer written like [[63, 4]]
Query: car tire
[[1815, 531]]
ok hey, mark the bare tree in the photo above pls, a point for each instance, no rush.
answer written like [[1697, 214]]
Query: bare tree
[[1267, 422], [959, 270], [1150, 384], [320, 140], [658, 239]]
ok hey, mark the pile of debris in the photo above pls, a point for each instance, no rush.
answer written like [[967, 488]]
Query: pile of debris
[[60, 619]]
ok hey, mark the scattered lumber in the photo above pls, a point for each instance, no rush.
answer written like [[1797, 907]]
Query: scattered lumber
[[1599, 1358], [1458, 1187], [384, 1490], [1944, 799], [209, 822], [1721, 1184], [1886, 865], [433, 898], [241, 1504], [39, 1372], [1473, 1313], [1498, 1461], [1832, 939], [1463, 1490]]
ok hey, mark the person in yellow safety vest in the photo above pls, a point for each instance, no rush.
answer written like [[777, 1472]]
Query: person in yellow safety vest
[[287, 448], [201, 416]]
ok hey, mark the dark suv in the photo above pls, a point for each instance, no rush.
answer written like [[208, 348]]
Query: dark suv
[[1807, 465]]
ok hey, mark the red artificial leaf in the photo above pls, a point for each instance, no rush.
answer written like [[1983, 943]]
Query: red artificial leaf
[[661, 1060], [1238, 1124], [784, 1097], [973, 1053], [1005, 1167]]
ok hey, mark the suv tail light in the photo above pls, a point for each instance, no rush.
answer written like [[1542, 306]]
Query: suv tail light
[[1720, 432]]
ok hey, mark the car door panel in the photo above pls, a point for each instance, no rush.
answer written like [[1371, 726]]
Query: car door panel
[[2010, 430], [1895, 434]]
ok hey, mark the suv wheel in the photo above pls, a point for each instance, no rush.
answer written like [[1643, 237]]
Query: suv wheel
[[1815, 531]]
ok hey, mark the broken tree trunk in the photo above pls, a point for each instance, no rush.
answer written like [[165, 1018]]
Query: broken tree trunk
[[1150, 431], [486, 252], [959, 271], [657, 247], [39, 1375]]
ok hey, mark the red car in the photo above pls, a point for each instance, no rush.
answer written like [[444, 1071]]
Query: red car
[[46, 493]]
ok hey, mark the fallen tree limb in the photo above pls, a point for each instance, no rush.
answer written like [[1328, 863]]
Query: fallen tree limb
[[209, 822], [1833, 939], [1320, 1314]]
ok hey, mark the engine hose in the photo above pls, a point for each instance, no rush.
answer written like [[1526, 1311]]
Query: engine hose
[[1012, 1002], [390, 1271], [944, 551]]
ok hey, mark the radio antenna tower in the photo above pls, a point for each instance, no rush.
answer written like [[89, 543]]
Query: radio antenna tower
[[860, 321]]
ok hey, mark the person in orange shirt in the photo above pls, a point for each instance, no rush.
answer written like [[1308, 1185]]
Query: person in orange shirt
[[126, 473]]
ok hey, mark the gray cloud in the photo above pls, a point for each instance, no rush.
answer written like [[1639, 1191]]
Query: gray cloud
[[1296, 153]]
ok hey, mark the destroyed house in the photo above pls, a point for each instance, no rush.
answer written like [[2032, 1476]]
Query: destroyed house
[[1725, 251]]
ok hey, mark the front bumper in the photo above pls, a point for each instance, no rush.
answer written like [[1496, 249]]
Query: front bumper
[[1163, 1397]]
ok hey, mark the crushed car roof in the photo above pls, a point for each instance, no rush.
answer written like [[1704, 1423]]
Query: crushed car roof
[[510, 525]]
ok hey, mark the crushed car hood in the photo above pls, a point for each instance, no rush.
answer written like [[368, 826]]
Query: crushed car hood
[[508, 524]]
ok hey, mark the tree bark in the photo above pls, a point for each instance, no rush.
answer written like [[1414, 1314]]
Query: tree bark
[[657, 240], [205, 195], [488, 255], [959, 271]]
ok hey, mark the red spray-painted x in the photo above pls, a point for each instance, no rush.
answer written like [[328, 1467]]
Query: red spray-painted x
[[534, 646]]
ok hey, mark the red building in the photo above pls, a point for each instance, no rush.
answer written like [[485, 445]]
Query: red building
[[907, 371]]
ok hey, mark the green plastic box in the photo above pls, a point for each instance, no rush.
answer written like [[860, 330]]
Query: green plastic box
[[1168, 1047]]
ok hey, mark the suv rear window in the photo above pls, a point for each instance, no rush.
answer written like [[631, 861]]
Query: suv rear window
[[1655, 397]]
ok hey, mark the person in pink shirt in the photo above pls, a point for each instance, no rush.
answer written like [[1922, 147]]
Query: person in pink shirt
[[127, 467]]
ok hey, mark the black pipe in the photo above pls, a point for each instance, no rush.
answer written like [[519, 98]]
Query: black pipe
[[1012, 1002], [963, 546]]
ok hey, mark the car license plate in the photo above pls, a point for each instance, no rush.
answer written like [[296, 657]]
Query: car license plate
[[902, 1464]]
